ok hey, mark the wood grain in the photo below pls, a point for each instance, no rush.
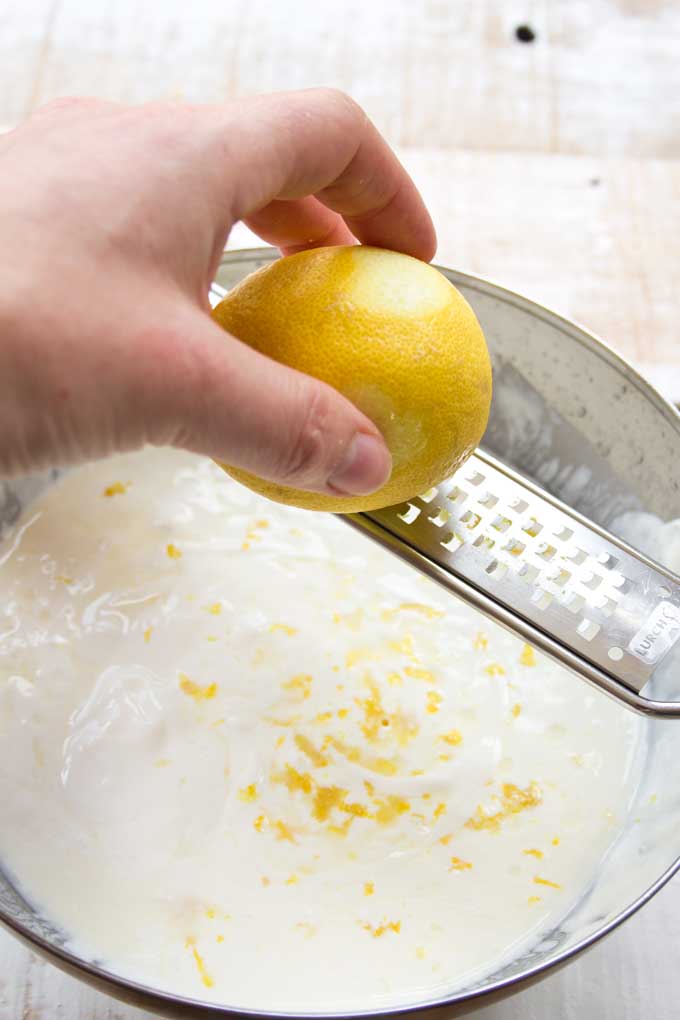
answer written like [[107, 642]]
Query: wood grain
[[602, 77], [592, 237]]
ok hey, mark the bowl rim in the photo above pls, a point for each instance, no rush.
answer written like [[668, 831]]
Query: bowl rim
[[157, 999]]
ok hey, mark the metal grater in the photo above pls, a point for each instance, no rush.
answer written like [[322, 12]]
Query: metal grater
[[534, 565]]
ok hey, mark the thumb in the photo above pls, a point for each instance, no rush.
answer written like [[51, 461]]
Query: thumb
[[251, 412]]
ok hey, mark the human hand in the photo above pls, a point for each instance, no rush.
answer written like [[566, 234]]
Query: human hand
[[113, 222]]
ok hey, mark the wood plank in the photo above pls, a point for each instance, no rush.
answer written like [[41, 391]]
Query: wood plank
[[25, 31], [593, 238], [602, 77]]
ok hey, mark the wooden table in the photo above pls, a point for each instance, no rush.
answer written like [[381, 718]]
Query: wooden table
[[551, 167]]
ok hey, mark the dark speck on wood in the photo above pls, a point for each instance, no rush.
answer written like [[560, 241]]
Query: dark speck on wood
[[525, 33]]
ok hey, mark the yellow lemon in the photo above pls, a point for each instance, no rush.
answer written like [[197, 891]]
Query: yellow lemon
[[391, 334]]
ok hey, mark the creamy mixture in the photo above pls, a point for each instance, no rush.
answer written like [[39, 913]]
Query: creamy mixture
[[248, 757]]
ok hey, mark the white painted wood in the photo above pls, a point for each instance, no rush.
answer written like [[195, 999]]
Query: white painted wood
[[592, 237], [603, 76], [505, 141]]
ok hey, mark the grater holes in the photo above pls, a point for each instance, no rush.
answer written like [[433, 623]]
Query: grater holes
[[546, 551], [532, 527], [520, 506], [528, 573], [514, 547], [484, 542], [541, 598], [577, 556], [475, 478], [470, 520], [440, 518], [457, 496], [615, 653], [574, 602], [451, 541], [488, 500], [588, 629], [559, 576], [605, 605], [621, 583], [591, 580], [428, 496], [410, 514], [563, 533], [606, 559], [501, 523], [497, 570]]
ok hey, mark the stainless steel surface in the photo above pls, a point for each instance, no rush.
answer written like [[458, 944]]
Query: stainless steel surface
[[574, 417], [534, 565]]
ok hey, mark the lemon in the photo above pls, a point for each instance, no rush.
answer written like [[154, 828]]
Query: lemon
[[391, 334]]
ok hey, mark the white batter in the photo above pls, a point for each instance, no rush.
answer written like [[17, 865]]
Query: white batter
[[248, 757]]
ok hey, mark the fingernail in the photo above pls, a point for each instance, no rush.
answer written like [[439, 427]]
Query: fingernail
[[367, 465]]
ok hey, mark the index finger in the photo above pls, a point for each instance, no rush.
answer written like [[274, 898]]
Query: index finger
[[320, 142]]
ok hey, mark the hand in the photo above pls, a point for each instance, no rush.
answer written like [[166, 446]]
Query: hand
[[113, 221]]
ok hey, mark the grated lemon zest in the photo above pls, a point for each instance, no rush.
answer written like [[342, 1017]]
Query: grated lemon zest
[[300, 684], [380, 930], [528, 656], [195, 690], [545, 881], [458, 864], [117, 489], [305, 745], [417, 673], [494, 669], [434, 700], [512, 801], [203, 973], [414, 607], [283, 628], [284, 833]]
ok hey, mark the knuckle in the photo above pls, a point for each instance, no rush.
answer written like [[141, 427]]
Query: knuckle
[[338, 100], [341, 109]]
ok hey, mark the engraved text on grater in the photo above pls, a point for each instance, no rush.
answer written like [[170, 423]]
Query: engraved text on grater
[[658, 634]]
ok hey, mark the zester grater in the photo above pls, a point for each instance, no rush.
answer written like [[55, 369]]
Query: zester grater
[[534, 565]]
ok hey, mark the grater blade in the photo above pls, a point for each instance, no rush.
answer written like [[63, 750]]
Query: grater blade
[[538, 567]]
